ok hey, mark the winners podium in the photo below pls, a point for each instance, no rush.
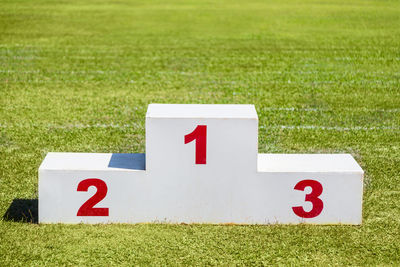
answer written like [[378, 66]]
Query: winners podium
[[201, 166]]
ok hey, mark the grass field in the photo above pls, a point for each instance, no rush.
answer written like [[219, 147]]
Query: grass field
[[78, 76]]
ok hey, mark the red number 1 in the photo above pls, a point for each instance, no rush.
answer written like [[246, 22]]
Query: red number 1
[[200, 135]]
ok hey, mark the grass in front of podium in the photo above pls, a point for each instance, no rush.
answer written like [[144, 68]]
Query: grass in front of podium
[[78, 75]]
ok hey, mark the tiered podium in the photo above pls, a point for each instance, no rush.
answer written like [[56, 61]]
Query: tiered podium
[[201, 166]]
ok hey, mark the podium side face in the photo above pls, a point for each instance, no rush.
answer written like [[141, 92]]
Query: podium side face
[[197, 139]]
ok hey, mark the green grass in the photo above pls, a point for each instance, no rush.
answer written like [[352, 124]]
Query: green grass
[[78, 76]]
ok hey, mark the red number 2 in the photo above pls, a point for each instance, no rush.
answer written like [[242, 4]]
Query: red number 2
[[317, 203], [87, 208], [200, 135]]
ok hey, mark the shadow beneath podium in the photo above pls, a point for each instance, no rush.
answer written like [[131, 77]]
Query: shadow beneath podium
[[22, 210], [135, 161]]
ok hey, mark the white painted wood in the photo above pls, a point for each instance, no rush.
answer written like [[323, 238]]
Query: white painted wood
[[230, 188], [93, 162], [307, 163], [232, 142], [270, 196], [202, 111], [123, 174], [135, 196]]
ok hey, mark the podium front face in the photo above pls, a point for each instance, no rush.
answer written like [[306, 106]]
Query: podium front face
[[93, 188], [201, 166], [204, 139], [302, 188], [194, 154]]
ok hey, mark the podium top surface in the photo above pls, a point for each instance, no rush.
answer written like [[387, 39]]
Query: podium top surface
[[308, 163], [93, 161], [212, 111]]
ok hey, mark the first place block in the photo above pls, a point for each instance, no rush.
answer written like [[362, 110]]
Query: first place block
[[201, 166]]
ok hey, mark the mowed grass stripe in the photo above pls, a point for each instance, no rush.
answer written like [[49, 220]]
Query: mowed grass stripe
[[78, 76]]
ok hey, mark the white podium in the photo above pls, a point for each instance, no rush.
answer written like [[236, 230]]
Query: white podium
[[201, 166]]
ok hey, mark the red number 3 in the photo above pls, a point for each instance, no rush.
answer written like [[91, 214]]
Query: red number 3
[[87, 208], [317, 203]]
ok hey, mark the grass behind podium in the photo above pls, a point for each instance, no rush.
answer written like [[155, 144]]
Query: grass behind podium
[[77, 76]]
